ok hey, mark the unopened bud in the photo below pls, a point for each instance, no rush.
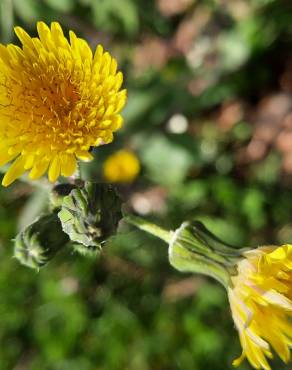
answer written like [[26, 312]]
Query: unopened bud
[[90, 215], [194, 248], [39, 242]]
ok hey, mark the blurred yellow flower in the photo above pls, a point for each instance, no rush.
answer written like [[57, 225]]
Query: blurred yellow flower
[[57, 100], [261, 304], [122, 166]]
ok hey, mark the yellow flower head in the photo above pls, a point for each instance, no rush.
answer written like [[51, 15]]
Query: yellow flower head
[[57, 100], [122, 166], [261, 304]]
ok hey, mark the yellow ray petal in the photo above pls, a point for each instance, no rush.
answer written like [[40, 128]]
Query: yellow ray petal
[[68, 164], [39, 169], [14, 171], [54, 169]]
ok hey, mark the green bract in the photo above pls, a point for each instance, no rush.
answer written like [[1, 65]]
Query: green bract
[[40, 241], [90, 215], [193, 248]]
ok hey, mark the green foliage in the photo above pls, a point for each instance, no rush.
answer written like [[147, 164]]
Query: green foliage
[[114, 15], [128, 309], [165, 162]]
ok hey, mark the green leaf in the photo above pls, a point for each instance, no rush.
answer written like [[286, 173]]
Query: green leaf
[[61, 5], [29, 10], [127, 13], [110, 13], [166, 162]]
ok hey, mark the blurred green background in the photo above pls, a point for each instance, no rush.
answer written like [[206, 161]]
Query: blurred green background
[[209, 115]]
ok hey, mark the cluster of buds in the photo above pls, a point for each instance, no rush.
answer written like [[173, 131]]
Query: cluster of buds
[[82, 217]]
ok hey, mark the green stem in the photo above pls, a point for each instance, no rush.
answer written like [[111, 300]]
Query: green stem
[[149, 227]]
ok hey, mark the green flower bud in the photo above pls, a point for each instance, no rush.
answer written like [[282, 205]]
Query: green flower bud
[[90, 215], [193, 248], [39, 242]]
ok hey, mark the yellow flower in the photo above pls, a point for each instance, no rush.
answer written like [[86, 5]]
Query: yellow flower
[[122, 166], [261, 304], [57, 100], [258, 282]]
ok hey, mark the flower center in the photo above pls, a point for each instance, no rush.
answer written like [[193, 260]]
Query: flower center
[[45, 108]]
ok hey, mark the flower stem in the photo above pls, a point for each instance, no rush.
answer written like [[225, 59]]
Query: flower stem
[[149, 227]]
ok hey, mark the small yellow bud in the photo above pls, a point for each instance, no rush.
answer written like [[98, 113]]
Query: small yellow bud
[[122, 166]]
